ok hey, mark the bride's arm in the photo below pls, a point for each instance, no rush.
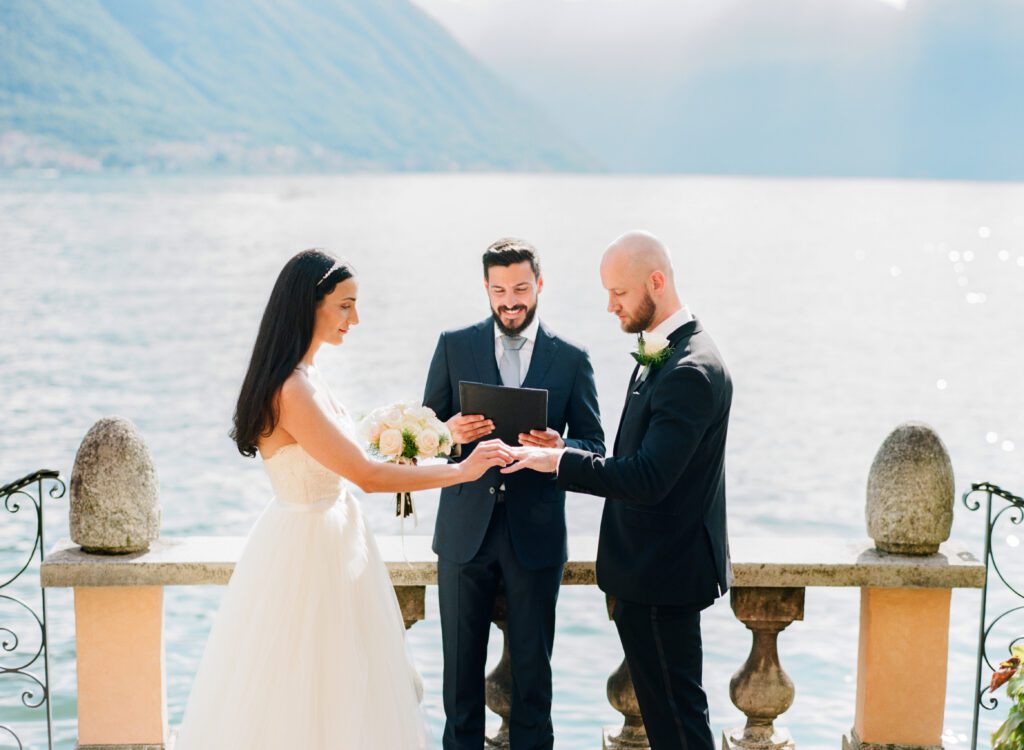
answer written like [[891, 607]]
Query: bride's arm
[[319, 435]]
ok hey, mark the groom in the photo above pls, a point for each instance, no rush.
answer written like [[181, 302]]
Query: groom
[[663, 551], [506, 530]]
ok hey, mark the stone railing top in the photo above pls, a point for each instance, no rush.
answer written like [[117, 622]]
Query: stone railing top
[[757, 562]]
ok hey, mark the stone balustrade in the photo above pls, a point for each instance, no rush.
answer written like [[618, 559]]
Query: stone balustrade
[[119, 627]]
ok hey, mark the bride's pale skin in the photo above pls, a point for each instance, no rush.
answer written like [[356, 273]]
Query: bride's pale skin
[[302, 420]]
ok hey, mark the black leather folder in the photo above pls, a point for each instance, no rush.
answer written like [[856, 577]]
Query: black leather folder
[[513, 410]]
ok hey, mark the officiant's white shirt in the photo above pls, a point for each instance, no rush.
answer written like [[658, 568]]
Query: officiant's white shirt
[[526, 353]]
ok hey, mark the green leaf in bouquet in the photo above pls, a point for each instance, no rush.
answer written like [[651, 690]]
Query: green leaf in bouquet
[[409, 449]]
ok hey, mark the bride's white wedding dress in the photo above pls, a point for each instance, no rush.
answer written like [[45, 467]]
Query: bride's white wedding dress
[[307, 651]]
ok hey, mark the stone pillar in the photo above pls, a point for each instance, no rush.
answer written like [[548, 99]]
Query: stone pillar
[[903, 632], [115, 493], [498, 685], [122, 692], [411, 600], [761, 689], [622, 695], [115, 509]]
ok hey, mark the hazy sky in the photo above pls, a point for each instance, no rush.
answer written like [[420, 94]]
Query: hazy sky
[[913, 88]]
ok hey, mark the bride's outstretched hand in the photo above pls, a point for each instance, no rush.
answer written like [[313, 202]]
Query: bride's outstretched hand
[[486, 454], [544, 460]]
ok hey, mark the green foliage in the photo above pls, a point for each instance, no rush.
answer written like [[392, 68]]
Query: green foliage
[[357, 84], [1010, 734], [409, 449]]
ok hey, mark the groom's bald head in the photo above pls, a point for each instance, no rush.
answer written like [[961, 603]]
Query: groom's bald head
[[639, 254], [637, 272]]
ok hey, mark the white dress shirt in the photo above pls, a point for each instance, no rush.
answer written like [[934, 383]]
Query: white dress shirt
[[526, 353], [680, 317]]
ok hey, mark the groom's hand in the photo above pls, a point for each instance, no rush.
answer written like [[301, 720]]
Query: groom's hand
[[544, 460], [468, 428], [541, 439]]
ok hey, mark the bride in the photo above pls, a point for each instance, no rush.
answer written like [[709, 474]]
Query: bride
[[307, 650]]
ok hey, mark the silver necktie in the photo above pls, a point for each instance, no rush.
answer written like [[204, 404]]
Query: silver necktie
[[509, 365]]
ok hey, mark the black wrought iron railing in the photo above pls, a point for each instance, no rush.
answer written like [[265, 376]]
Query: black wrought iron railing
[[1006, 508], [27, 493]]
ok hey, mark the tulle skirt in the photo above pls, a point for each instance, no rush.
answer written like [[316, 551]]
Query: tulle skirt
[[308, 648]]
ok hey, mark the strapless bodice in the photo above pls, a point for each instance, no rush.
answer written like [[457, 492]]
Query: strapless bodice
[[299, 479]]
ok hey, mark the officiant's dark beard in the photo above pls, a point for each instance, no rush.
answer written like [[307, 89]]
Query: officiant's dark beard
[[644, 316], [527, 319]]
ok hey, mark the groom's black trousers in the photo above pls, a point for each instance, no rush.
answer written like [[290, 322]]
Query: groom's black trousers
[[663, 653], [466, 594]]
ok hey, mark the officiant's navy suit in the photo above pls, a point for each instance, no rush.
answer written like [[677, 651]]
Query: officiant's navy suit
[[507, 530], [663, 552]]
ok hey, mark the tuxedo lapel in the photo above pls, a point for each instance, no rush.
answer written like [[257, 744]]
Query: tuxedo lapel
[[483, 354], [625, 405], [544, 349]]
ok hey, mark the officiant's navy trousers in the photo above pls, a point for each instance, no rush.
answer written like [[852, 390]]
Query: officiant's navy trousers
[[466, 594], [663, 651]]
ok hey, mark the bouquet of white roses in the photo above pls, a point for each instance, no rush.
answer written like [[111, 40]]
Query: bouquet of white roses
[[405, 433]]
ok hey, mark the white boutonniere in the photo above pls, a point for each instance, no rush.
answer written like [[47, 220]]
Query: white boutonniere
[[651, 351]]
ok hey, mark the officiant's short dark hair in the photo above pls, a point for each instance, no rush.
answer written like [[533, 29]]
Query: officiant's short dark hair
[[511, 250]]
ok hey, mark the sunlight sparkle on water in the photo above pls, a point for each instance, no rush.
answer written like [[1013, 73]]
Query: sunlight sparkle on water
[[895, 271], [954, 256], [976, 298], [991, 438], [1004, 255], [984, 232], [1020, 261], [1007, 445], [1012, 541], [941, 384], [969, 256]]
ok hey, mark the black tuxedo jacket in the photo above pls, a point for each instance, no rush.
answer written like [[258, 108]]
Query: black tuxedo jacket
[[535, 504], [663, 531]]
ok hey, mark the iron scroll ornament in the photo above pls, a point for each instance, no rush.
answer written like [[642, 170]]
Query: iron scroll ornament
[[1014, 511], [32, 488]]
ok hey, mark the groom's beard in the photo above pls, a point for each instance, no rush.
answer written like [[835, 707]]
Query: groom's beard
[[644, 316], [527, 319]]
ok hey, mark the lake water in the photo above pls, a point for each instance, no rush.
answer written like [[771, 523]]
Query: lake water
[[841, 307]]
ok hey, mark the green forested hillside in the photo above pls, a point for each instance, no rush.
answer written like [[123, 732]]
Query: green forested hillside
[[265, 84]]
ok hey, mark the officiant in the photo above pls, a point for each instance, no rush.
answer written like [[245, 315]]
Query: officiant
[[507, 531]]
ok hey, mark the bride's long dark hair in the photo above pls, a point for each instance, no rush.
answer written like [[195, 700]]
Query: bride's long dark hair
[[285, 334]]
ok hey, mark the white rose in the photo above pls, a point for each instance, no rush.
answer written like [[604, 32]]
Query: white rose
[[391, 416], [391, 443], [654, 343], [411, 425], [427, 443], [422, 413]]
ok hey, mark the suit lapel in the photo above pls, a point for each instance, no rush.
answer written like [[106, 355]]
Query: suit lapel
[[544, 349], [483, 354], [675, 339], [625, 405]]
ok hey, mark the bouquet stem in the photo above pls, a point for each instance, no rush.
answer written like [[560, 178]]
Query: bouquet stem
[[403, 505]]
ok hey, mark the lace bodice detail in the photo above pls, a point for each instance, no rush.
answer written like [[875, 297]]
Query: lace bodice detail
[[296, 476]]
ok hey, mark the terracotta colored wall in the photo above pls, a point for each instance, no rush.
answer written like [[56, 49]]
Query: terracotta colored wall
[[901, 667], [121, 685]]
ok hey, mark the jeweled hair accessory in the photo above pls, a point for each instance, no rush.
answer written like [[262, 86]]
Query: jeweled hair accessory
[[337, 265]]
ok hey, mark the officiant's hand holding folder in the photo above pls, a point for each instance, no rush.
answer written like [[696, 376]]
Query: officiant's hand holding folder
[[512, 410]]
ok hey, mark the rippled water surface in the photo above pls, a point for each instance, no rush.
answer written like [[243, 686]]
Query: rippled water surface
[[841, 307]]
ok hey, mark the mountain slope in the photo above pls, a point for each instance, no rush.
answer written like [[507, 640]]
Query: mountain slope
[[289, 84]]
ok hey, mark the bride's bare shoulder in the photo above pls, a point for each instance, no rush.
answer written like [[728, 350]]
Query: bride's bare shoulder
[[296, 390]]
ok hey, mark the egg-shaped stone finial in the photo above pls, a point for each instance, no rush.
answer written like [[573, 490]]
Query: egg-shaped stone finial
[[910, 492], [115, 493]]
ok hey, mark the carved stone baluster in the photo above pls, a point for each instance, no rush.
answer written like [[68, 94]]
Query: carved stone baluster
[[411, 600], [622, 696], [498, 685], [761, 689]]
